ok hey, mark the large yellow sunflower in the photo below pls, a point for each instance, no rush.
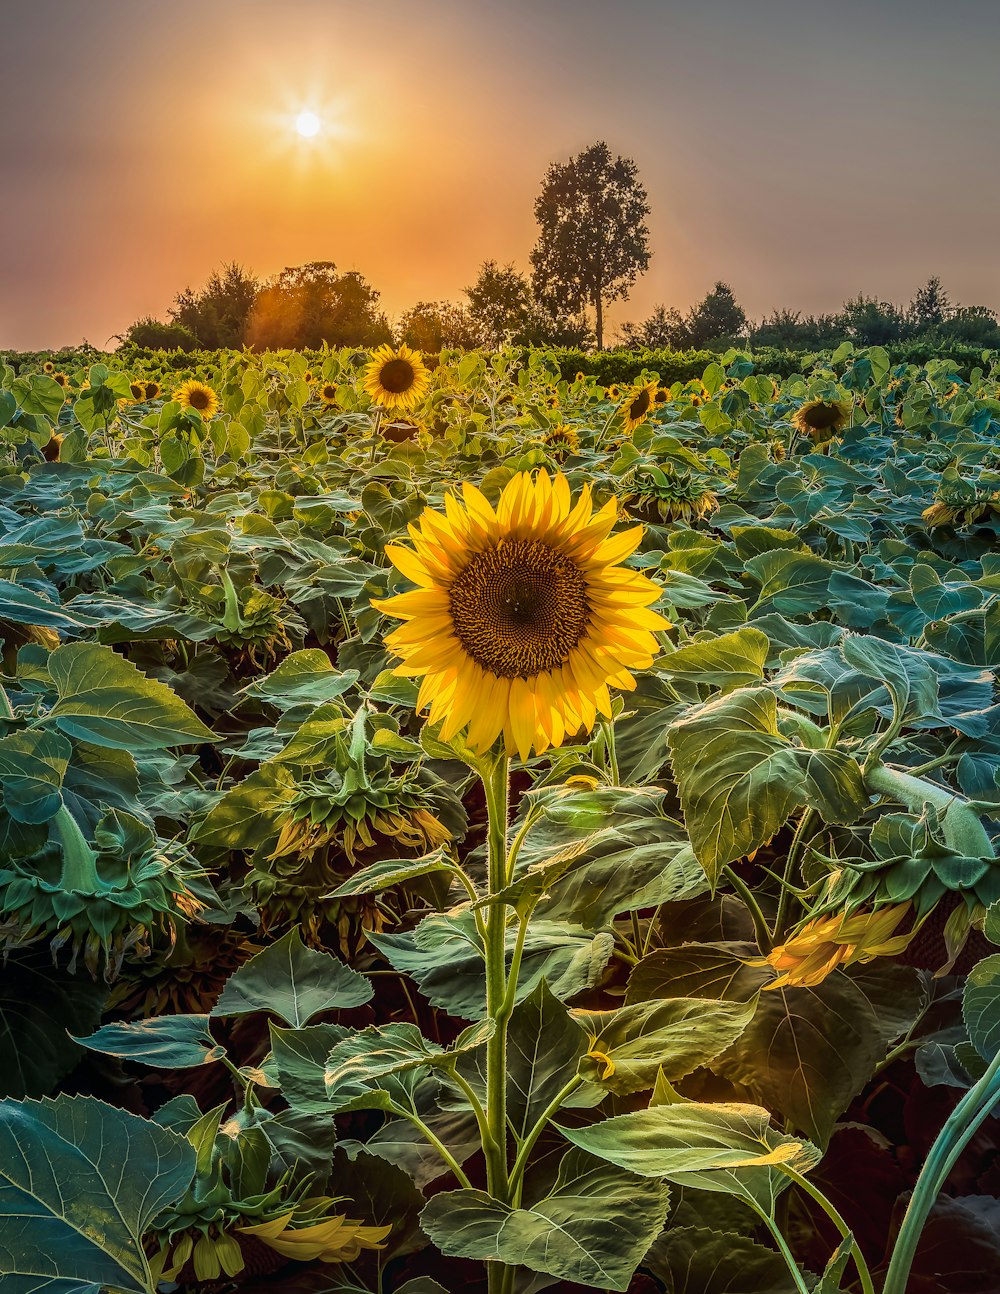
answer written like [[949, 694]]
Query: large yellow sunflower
[[523, 616], [822, 419], [193, 394], [396, 379], [639, 404]]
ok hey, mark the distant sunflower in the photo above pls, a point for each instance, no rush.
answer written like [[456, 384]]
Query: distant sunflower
[[328, 393], [61, 378], [563, 439], [822, 419], [961, 507], [552, 401], [48, 366], [396, 379], [523, 617], [196, 395], [307, 375], [613, 393], [151, 390], [639, 405], [580, 377], [138, 390], [821, 945], [662, 395]]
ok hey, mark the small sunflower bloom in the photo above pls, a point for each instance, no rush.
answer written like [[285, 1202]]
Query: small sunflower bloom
[[523, 617], [824, 944], [396, 379], [196, 395], [642, 400]]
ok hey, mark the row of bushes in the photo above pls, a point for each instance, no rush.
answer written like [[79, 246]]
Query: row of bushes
[[608, 367]]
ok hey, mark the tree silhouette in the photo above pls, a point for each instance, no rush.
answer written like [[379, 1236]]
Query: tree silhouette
[[593, 241], [930, 307], [306, 305]]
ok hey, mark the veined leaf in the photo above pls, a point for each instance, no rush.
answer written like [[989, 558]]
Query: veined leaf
[[164, 1042]]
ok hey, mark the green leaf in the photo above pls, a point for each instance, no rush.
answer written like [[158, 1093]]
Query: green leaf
[[379, 1052], [739, 779], [32, 768], [300, 1061], [730, 661], [163, 1042], [632, 1046], [981, 1006], [303, 678], [25, 607], [80, 1183], [592, 1229], [105, 700], [245, 815], [393, 871], [294, 982], [719, 1147], [697, 1260], [792, 583]]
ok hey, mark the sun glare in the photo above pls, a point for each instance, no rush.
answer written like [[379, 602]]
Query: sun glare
[[307, 124]]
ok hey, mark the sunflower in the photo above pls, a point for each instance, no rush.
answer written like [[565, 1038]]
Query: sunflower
[[639, 405], [307, 376], [613, 393], [151, 390], [196, 395], [48, 366], [822, 419], [662, 395], [670, 495], [328, 393], [552, 401], [563, 439], [828, 942], [61, 378], [580, 377], [396, 379], [522, 617], [137, 390], [961, 507]]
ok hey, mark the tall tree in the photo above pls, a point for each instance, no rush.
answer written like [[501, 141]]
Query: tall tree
[[930, 307], [718, 317], [306, 305], [506, 312], [217, 315], [593, 240]]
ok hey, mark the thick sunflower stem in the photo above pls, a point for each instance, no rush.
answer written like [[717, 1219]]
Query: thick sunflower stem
[[496, 783]]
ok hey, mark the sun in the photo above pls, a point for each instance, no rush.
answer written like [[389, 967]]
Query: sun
[[308, 124]]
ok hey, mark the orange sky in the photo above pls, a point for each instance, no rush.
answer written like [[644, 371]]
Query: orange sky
[[802, 151]]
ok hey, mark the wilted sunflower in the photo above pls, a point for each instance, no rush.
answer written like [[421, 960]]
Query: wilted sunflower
[[563, 439], [151, 390], [523, 617], [196, 395], [396, 379], [961, 507], [822, 419], [670, 495], [639, 405], [828, 942]]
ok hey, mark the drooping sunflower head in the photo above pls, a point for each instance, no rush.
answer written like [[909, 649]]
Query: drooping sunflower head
[[151, 390], [401, 429], [669, 494], [523, 617], [825, 943], [196, 395], [396, 378], [563, 439], [552, 401], [822, 419], [961, 505], [640, 403]]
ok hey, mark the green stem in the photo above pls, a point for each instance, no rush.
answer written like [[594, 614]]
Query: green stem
[[752, 906], [435, 1141], [528, 1144], [496, 784], [783, 1249], [608, 732], [79, 869], [959, 1129], [831, 1212], [960, 824], [791, 862]]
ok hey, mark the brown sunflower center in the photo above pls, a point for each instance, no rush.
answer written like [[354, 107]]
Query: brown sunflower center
[[640, 405], [138, 390], [329, 393], [199, 398], [519, 609], [396, 376], [822, 416], [152, 389]]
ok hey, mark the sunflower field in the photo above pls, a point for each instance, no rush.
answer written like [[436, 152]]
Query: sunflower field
[[470, 826]]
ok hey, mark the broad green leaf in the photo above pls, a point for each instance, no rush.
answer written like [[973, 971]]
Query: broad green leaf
[[698, 1260], [32, 768], [393, 871], [630, 1047], [377, 1052], [305, 677], [592, 1229], [981, 1006], [299, 1057], [698, 971], [163, 1042], [105, 700], [730, 661], [739, 779], [80, 1183], [245, 817], [791, 582], [26, 607], [719, 1147], [294, 982]]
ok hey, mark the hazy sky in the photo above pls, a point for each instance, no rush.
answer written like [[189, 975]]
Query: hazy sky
[[803, 150]]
